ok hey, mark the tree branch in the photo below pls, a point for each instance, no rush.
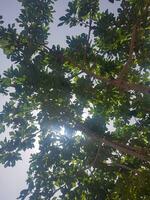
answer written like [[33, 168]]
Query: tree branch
[[58, 189], [119, 165], [90, 28], [96, 157], [132, 151], [121, 84], [125, 69]]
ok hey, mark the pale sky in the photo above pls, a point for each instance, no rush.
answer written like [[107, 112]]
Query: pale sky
[[12, 180]]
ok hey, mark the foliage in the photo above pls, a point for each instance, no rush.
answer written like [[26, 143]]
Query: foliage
[[101, 77]]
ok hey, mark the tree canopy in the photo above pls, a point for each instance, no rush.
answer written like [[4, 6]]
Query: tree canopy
[[67, 97]]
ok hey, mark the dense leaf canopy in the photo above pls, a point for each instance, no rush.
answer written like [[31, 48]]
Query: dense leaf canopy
[[67, 97]]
